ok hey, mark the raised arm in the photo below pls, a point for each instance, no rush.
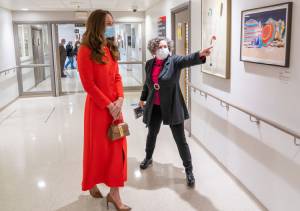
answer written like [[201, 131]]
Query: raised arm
[[192, 59]]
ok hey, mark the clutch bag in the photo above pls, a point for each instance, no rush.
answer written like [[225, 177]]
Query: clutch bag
[[118, 131], [138, 112]]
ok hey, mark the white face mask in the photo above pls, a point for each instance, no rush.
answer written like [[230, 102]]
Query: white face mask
[[162, 53]]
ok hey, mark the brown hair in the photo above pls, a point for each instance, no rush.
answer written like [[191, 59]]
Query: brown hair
[[94, 37]]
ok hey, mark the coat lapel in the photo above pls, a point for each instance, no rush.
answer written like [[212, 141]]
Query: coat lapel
[[150, 69], [165, 68]]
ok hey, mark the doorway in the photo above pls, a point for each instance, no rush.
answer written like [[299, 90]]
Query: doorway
[[39, 72], [34, 59], [67, 67], [38, 58], [129, 38], [181, 27]]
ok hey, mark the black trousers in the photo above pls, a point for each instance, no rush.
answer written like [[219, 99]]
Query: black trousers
[[178, 134]]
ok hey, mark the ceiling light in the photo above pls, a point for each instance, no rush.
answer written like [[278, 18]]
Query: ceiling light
[[41, 184], [24, 9]]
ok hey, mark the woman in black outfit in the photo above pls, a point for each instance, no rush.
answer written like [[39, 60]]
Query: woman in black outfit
[[165, 102]]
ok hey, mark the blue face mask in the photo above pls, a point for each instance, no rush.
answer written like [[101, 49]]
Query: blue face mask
[[110, 31]]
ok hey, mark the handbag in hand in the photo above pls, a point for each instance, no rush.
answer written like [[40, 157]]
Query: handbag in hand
[[118, 131], [138, 112]]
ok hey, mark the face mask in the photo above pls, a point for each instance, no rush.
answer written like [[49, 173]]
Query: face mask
[[162, 53], [109, 31]]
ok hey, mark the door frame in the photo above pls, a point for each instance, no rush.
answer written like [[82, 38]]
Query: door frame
[[58, 91], [19, 66], [174, 11], [54, 56]]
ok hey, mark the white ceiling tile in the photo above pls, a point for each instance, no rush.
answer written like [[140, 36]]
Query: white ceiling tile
[[113, 5]]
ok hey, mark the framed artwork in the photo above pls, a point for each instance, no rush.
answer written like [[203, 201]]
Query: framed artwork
[[266, 35], [216, 33]]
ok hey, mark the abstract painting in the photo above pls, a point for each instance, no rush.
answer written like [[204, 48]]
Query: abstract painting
[[266, 34], [216, 19]]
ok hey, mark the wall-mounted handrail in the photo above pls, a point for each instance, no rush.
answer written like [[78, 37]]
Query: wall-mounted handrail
[[5, 71], [34, 65], [253, 117]]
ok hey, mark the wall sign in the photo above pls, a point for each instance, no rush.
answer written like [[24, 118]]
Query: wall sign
[[162, 29]]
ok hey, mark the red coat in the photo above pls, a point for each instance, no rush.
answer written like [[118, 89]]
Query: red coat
[[103, 161]]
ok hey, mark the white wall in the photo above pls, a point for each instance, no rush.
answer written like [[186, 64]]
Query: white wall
[[262, 158], [8, 83], [163, 8]]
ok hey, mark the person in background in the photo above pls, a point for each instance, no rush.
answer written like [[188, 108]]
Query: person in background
[[104, 161], [62, 56], [70, 55], [77, 45], [165, 102]]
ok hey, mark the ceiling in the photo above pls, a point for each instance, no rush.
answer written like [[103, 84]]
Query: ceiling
[[73, 5]]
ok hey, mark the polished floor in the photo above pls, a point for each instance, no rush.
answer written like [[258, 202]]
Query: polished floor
[[41, 154], [131, 76]]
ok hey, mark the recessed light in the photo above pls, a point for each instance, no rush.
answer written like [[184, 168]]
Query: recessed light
[[24, 9], [41, 184]]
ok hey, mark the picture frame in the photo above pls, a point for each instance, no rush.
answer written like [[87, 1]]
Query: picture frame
[[216, 22], [266, 35]]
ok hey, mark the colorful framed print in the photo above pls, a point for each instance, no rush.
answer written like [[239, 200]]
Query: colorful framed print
[[266, 35]]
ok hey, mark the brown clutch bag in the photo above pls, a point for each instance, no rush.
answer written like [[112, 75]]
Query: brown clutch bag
[[118, 131]]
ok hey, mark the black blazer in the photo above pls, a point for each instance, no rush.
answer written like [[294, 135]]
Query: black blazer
[[173, 108]]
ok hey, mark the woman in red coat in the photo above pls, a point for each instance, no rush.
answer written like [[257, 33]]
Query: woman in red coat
[[104, 161]]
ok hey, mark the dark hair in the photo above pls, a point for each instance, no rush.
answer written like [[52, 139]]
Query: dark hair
[[153, 44], [94, 37]]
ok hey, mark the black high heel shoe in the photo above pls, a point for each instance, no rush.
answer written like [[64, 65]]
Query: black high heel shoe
[[146, 163]]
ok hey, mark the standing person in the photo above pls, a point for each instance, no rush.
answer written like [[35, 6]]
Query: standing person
[[70, 55], [77, 45], [62, 56], [165, 102], [104, 161]]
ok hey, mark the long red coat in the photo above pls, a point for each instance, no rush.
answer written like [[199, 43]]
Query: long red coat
[[103, 161]]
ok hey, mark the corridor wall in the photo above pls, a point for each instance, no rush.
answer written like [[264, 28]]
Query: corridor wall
[[263, 159], [8, 82]]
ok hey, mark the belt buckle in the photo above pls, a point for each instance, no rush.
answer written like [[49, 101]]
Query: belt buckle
[[156, 86]]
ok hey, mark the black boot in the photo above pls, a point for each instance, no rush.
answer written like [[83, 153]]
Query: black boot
[[145, 163], [190, 179]]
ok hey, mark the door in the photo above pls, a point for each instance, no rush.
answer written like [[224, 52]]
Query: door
[[37, 50], [72, 33], [181, 24], [181, 36], [34, 59], [129, 38]]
